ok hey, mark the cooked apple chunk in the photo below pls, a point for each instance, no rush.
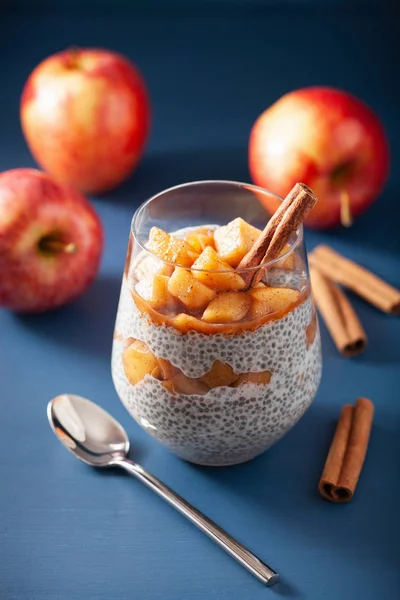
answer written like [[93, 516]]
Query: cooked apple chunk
[[258, 309], [276, 298], [180, 384], [138, 361], [209, 261], [220, 374], [262, 377], [227, 307], [155, 291], [200, 238], [260, 284], [156, 373], [185, 323], [171, 248], [234, 240], [168, 370], [189, 290], [148, 267]]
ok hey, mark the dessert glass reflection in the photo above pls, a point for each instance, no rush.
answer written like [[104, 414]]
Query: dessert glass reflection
[[214, 372]]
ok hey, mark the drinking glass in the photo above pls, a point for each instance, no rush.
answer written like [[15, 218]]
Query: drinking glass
[[214, 373]]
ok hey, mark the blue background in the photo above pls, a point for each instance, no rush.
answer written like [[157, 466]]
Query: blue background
[[68, 532]]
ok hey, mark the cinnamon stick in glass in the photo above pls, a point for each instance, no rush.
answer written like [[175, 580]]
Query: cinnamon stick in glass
[[282, 225], [338, 314], [355, 277], [347, 452]]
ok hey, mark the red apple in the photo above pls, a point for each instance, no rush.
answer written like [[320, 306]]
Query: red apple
[[85, 115], [327, 139], [50, 241]]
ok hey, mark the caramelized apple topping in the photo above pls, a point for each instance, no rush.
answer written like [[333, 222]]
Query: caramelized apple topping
[[227, 307], [234, 240], [207, 295], [200, 238], [208, 262], [191, 292], [155, 291], [149, 267], [275, 298], [170, 248]]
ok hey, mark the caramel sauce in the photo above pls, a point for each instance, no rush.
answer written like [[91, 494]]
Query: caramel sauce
[[185, 322]]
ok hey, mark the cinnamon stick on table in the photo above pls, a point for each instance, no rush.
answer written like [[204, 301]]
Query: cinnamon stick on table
[[347, 452], [282, 225], [338, 314], [355, 277]]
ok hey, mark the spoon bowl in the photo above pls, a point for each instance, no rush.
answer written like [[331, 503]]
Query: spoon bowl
[[88, 431]]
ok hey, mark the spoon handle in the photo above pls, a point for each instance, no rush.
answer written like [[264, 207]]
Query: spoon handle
[[216, 533]]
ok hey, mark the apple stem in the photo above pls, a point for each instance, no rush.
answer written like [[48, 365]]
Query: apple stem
[[73, 58], [346, 217], [54, 246]]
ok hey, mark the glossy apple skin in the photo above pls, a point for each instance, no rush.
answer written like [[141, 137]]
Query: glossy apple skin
[[33, 206], [85, 115], [327, 139]]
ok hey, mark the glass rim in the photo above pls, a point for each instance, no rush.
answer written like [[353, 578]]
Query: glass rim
[[249, 186]]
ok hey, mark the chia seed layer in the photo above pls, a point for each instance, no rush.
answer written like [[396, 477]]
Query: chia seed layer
[[277, 346], [227, 425]]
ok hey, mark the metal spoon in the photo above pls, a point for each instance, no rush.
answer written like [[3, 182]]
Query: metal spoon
[[93, 436]]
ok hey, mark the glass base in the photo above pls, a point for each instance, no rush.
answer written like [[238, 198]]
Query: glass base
[[239, 461]]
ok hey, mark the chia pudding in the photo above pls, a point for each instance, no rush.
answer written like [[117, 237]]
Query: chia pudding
[[214, 373]]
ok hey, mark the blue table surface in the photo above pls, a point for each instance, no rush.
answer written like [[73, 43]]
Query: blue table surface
[[69, 532]]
